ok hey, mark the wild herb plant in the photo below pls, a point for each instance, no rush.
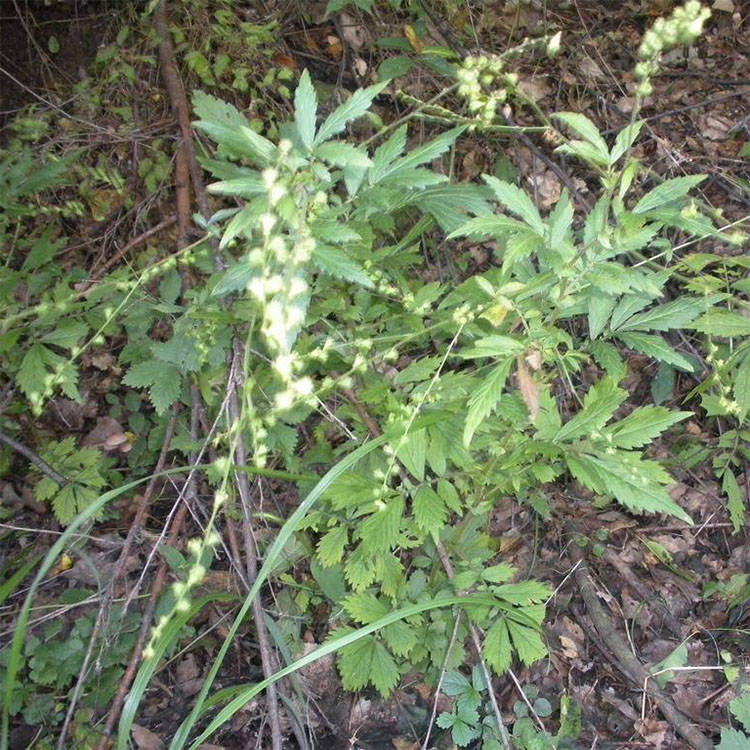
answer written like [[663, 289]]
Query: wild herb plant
[[491, 387]]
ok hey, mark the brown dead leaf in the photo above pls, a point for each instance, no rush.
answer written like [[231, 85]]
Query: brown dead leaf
[[188, 676], [104, 361], [535, 87], [416, 43], [716, 128], [590, 68], [653, 732], [528, 388], [145, 739], [334, 48], [107, 430], [548, 188], [354, 34], [568, 647], [534, 360], [401, 744]]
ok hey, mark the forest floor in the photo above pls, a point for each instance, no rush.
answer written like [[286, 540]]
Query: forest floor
[[661, 583]]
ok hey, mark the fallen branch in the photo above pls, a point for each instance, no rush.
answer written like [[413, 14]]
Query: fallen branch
[[32, 457], [628, 663]]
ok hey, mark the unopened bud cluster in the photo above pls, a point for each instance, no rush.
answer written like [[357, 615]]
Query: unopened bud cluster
[[484, 85], [684, 26], [721, 381]]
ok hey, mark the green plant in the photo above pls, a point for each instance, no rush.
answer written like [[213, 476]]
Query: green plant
[[317, 310], [325, 286], [82, 469], [464, 721], [52, 663]]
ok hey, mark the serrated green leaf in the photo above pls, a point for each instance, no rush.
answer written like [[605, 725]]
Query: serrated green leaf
[[741, 387], [448, 204], [429, 510], [739, 707], [143, 374], [735, 504], [305, 109], [400, 638], [229, 128], [608, 358], [342, 154], [65, 504], [482, 226], [355, 106], [585, 152], [599, 406], [235, 278], [164, 382], [387, 152], [628, 306], [418, 371], [463, 732], [675, 314], [668, 191], [331, 546], [416, 157], [379, 531], [517, 202], [526, 641], [455, 683], [449, 495], [582, 126], [390, 573], [498, 573], [335, 262], [641, 426], [497, 649], [485, 399], [560, 221], [497, 345], [365, 608], [32, 373], [656, 347], [66, 335], [733, 739], [242, 187], [524, 593], [625, 139], [242, 223], [635, 483], [412, 452], [600, 308], [167, 389], [384, 674], [355, 661], [181, 350], [721, 322]]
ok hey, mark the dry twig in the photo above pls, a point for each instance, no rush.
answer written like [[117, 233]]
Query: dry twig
[[626, 660]]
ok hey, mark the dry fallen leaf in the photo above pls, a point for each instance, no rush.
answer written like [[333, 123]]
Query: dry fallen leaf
[[535, 87], [528, 388], [145, 739], [726, 5], [354, 34]]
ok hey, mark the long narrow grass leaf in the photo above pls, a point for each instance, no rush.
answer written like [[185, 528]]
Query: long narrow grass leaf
[[272, 557]]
